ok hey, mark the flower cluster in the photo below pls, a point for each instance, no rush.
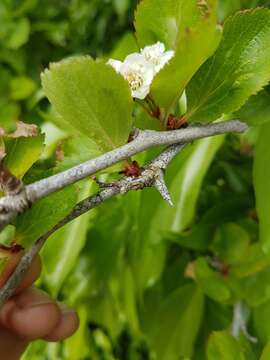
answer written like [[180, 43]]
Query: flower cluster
[[139, 69]]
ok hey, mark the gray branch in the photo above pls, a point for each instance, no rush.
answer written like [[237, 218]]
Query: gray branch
[[149, 177], [10, 206]]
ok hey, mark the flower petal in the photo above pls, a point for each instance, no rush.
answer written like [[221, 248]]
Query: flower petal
[[141, 93], [134, 58], [116, 64]]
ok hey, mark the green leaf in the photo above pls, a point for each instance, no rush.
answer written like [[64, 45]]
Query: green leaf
[[125, 296], [44, 215], [125, 46], [266, 352], [6, 76], [16, 63], [76, 150], [228, 7], [191, 178], [261, 321], [92, 98], [53, 136], [262, 185], [9, 113], [255, 260], [212, 282], [121, 6], [256, 110], [78, 346], [238, 69], [104, 250], [217, 317], [22, 153], [7, 235], [200, 236], [255, 288], [230, 243], [147, 232], [22, 7], [178, 322], [189, 28], [63, 247], [184, 179], [21, 87], [223, 346], [19, 34]]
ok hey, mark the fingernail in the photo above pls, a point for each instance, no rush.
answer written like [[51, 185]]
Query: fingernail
[[65, 309], [33, 298]]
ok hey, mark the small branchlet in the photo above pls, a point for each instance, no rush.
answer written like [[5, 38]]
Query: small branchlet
[[10, 206], [149, 176]]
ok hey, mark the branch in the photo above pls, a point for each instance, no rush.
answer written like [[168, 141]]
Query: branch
[[150, 176], [10, 206]]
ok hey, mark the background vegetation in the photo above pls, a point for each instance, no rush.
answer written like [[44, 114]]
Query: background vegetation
[[148, 281]]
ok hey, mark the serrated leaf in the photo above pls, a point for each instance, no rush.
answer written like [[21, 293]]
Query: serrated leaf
[[92, 98], [256, 110], [189, 28], [223, 346], [262, 185], [43, 215], [238, 69]]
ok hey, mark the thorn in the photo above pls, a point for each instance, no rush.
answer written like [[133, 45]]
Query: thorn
[[161, 187]]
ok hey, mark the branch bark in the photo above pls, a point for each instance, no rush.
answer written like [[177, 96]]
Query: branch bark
[[10, 206], [150, 176]]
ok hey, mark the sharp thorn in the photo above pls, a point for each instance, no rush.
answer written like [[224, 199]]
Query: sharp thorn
[[161, 187]]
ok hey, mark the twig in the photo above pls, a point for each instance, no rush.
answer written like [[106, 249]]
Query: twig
[[10, 206], [149, 176]]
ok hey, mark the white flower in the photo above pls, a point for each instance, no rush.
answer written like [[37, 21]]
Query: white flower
[[137, 72], [157, 56], [140, 69]]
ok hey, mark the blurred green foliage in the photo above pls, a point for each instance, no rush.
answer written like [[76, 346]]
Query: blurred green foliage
[[148, 281]]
